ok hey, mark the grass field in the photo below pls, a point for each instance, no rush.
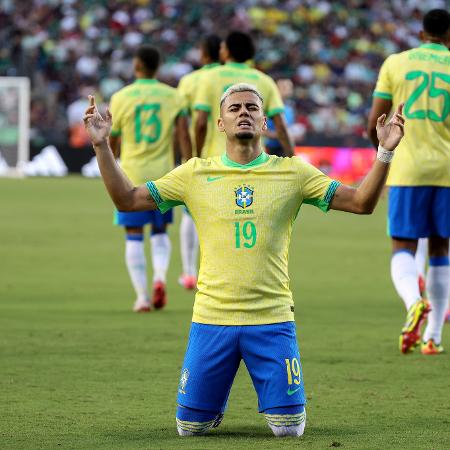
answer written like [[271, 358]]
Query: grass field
[[79, 370]]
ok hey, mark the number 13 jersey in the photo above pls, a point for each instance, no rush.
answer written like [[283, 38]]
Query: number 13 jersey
[[144, 115], [244, 216], [421, 79]]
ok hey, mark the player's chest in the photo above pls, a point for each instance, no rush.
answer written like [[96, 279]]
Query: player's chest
[[220, 197]]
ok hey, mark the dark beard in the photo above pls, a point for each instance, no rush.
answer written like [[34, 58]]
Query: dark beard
[[245, 135]]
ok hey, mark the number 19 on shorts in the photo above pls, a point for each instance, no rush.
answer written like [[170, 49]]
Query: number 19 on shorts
[[245, 234], [293, 371]]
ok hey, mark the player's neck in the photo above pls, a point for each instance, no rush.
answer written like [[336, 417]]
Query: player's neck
[[434, 41], [429, 39], [243, 153], [144, 76]]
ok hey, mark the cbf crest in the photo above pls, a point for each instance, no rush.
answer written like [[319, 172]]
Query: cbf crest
[[244, 195], [183, 381]]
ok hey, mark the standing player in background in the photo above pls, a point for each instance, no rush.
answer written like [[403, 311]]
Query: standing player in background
[[244, 204], [145, 115], [273, 145], [188, 86], [235, 51], [419, 179]]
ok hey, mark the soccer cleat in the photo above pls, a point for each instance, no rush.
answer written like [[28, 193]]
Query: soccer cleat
[[410, 337], [422, 288], [189, 282], [431, 348], [141, 306], [159, 298]]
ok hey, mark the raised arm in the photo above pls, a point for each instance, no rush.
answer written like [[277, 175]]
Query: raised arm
[[283, 135], [114, 143], [125, 196], [363, 199]]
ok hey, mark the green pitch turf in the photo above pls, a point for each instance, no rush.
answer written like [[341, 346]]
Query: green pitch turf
[[79, 370]]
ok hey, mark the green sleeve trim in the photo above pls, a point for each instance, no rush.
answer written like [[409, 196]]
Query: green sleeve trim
[[183, 112], [200, 107], [384, 95], [324, 203], [163, 205], [115, 133], [169, 204], [275, 111]]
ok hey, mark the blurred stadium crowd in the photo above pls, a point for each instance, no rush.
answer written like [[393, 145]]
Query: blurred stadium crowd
[[331, 50]]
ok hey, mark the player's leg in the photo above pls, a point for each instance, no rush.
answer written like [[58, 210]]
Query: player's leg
[[408, 211], [447, 315], [210, 365], [438, 290], [286, 421], [421, 262], [189, 251], [161, 249], [404, 270], [438, 279], [194, 422], [272, 357], [135, 259]]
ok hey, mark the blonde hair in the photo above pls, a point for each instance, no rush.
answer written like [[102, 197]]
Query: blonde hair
[[240, 87]]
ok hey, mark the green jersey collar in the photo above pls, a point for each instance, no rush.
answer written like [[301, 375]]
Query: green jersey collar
[[238, 65], [146, 81], [210, 66], [431, 46], [262, 158]]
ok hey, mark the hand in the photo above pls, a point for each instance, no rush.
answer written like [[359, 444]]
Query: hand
[[97, 128], [391, 133]]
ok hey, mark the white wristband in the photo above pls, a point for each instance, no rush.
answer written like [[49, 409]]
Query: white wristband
[[384, 155]]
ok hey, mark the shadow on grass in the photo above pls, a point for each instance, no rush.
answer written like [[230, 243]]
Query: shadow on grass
[[246, 432]]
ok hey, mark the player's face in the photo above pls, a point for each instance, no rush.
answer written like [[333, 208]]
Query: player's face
[[242, 116]]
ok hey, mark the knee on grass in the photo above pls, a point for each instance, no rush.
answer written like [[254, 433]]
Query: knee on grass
[[286, 421], [195, 422]]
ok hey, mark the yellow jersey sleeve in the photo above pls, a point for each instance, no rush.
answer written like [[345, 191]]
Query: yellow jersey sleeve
[[384, 88], [273, 104], [203, 100], [170, 190], [316, 188], [185, 89], [183, 104]]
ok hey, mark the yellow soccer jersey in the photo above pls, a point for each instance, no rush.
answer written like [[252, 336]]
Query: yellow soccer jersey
[[216, 82], [188, 87], [144, 114], [421, 79], [244, 216]]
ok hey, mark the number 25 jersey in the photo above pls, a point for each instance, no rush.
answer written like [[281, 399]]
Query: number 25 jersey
[[244, 216], [144, 114], [421, 79]]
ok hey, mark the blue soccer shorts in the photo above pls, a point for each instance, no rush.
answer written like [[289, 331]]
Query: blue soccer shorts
[[214, 352], [142, 218], [418, 211]]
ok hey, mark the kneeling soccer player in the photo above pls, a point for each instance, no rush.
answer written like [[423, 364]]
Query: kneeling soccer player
[[244, 204]]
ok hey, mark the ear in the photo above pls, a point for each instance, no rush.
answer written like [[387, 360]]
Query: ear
[[220, 125], [264, 126]]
